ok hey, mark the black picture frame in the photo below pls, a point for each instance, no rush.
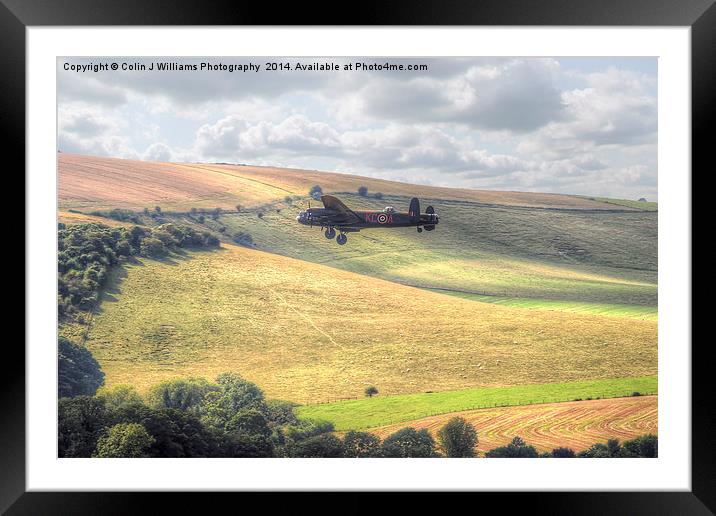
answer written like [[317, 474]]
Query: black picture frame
[[16, 15]]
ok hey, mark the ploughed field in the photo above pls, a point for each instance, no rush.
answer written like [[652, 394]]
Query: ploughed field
[[576, 424]]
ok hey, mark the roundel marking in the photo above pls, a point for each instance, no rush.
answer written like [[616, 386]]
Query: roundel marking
[[382, 218]]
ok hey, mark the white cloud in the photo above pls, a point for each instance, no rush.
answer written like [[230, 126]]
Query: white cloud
[[518, 124]]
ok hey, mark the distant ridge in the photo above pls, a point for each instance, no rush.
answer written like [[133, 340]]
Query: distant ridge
[[92, 182]]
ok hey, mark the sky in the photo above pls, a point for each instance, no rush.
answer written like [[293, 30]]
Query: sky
[[565, 125]]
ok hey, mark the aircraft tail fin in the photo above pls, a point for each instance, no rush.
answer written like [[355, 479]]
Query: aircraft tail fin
[[414, 210]]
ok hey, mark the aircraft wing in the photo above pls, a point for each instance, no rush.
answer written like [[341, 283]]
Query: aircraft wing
[[346, 214]]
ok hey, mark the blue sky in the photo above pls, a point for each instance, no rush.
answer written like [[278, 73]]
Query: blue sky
[[569, 125]]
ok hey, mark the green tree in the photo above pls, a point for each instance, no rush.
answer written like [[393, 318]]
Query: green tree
[[458, 438], [516, 449], [642, 446], [119, 397], [77, 370], [124, 440], [562, 453], [409, 442], [363, 191], [281, 412], [233, 395], [80, 421], [182, 394], [249, 435], [361, 444], [371, 391]]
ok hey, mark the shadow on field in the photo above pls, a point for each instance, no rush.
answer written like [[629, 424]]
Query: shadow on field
[[119, 272]]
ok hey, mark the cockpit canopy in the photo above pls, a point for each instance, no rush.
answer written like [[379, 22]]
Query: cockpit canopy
[[389, 209]]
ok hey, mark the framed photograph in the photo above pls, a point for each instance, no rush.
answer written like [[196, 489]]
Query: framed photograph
[[382, 257]]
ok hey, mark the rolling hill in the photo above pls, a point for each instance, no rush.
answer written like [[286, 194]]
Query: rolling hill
[[512, 290], [92, 182], [508, 245], [307, 332]]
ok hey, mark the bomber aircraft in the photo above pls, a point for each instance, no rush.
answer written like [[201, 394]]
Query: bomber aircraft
[[337, 216]]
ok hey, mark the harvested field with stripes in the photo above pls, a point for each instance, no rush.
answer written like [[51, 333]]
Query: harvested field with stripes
[[576, 424]]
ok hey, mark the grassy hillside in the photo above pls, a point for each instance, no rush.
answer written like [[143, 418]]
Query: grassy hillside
[[504, 244], [598, 257], [576, 425], [387, 410], [611, 310], [307, 332], [93, 182]]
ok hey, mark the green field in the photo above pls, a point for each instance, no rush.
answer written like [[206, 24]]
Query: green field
[[647, 313], [385, 410]]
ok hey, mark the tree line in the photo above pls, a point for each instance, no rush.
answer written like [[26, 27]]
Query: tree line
[[230, 417], [87, 251]]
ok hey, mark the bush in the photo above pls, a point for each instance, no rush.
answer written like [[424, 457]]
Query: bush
[[319, 446], [78, 371], [516, 449], [378, 195], [153, 247], [562, 453], [409, 442], [600, 450], [361, 444], [87, 251], [458, 438], [363, 191], [642, 446], [244, 239], [316, 192]]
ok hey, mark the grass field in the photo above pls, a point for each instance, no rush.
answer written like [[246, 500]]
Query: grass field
[[637, 205], [649, 313], [68, 217], [576, 425], [307, 332], [594, 257], [387, 410]]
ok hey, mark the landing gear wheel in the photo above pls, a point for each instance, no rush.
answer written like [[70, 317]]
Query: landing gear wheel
[[420, 230], [330, 233], [342, 239]]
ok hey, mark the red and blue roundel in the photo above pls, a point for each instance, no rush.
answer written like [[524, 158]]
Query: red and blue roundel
[[382, 218]]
